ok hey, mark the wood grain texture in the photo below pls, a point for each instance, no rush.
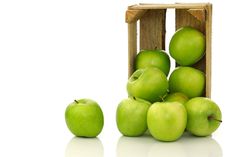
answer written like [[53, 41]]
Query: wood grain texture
[[152, 30], [132, 46], [134, 15], [199, 14], [208, 49], [167, 6], [184, 18]]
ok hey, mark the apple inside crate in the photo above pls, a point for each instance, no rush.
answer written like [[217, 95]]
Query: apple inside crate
[[152, 29]]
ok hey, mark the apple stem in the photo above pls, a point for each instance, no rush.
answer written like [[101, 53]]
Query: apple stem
[[135, 77], [76, 101], [213, 118], [162, 98], [134, 98]]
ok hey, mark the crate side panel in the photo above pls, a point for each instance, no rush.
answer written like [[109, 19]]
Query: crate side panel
[[152, 30]]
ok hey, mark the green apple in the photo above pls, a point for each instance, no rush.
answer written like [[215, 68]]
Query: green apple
[[153, 58], [187, 80], [187, 46], [150, 84], [178, 97], [84, 118], [204, 116], [131, 116], [167, 120]]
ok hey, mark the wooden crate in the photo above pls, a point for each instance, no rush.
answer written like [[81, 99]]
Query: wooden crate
[[152, 18]]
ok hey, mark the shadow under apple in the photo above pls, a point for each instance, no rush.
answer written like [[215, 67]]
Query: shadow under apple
[[84, 147], [134, 146], [187, 146], [200, 146]]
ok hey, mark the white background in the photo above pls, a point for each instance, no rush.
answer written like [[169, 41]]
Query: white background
[[55, 51]]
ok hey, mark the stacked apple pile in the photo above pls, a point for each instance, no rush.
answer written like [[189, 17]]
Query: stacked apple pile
[[169, 107]]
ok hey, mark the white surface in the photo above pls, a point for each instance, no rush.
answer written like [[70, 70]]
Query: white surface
[[53, 51]]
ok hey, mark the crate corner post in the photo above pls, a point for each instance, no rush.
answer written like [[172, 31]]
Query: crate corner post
[[132, 16], [208, 48]]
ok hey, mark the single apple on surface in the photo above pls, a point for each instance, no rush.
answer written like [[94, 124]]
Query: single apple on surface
[[187, 80], [150, 84], [131, 116], [176, 97], [204, 116], [167, 120], [84, 118], [187, 46], [153, 58]]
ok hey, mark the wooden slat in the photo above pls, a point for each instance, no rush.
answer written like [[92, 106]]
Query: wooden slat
[[184, 18], [134, 15], [199, 14], [132, 46], [152, 30], [208, 49], [167, 6]]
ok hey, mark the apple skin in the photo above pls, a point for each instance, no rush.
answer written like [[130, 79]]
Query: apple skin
[[187, 80], [167, 120], [176, 97], [153, 58], [150, 84], [84, 118], [131, 116], [204, 116], [187, 46]]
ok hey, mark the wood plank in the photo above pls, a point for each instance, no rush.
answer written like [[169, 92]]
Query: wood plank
[[168, 6], [208, 49], [132, 46], [184, 18], [152, 30], [198, 14], [134, 15]]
